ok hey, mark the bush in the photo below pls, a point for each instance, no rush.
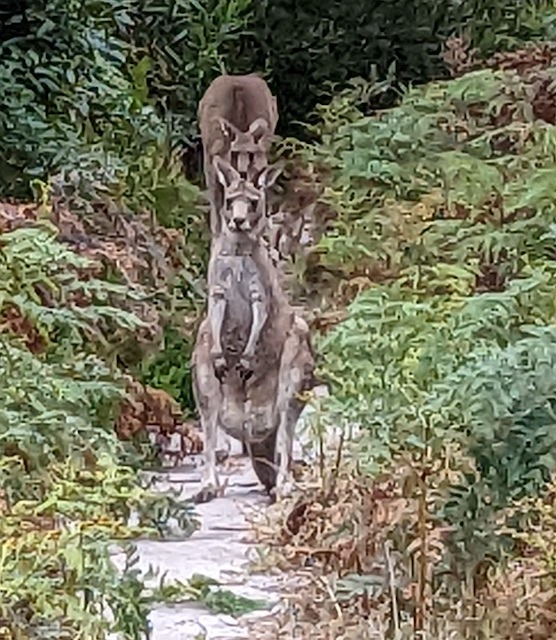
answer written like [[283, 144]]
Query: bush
[[75, 86], [67, 494], [184, 45], [306, 51], [81, 301], [446, 361]]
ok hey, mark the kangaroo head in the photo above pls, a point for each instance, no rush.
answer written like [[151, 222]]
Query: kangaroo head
[[246, 141], [244, 207]]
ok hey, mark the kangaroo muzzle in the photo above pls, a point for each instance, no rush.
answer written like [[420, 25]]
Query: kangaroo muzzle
[[239, 220]]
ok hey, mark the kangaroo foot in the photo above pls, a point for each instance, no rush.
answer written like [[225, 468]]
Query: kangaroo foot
[[206, 494], [222, 455]]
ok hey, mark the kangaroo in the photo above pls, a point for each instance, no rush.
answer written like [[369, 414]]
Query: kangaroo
[[252, 357], [237, 118], [237, 286]]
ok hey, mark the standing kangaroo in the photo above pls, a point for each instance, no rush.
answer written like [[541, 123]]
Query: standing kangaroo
[[237, 277], [252, 358], [237, 118]]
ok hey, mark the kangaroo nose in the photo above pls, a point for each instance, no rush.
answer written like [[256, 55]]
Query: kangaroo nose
[[239, 223]]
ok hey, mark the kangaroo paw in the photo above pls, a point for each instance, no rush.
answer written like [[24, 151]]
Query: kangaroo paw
[[245, 368], [206, 494], [219, 364]]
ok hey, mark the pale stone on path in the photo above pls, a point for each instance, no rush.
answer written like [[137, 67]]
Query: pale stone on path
[[218, 549]]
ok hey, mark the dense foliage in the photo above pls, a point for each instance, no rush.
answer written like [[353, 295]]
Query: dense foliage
[[446, 361], [69, 487], [443, 203], [305, 50], [81, 300], [83, 77], [76, 113]]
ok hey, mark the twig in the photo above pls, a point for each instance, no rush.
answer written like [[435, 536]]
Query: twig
[[395, 611], [333, 598], [422, 527], [336, 470], [314, 551], [321, 458]]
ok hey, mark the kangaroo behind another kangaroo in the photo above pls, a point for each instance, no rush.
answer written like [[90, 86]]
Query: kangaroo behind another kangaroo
[[233, 106]]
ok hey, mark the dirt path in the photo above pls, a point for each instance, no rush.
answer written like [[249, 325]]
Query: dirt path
[[222, 549]]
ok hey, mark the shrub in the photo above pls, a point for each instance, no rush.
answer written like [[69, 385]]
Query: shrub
[[447, 356], [67, 491]]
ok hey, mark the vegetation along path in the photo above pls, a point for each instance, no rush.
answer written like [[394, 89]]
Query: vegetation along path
[[223, 549], [422, 213]]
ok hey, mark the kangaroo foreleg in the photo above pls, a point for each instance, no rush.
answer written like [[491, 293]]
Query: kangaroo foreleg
[[259, 316], [216, 312]]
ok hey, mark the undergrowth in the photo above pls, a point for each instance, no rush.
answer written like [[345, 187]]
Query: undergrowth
[[102, 248], [440, 240], [439, 217], [70, 489]]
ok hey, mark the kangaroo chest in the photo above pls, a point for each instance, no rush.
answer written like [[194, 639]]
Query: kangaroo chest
[[237, 275], [243, 283]]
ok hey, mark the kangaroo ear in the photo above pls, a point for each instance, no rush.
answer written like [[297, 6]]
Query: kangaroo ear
[[225, 173], [228, 129], [258, 128], [268, 176]]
